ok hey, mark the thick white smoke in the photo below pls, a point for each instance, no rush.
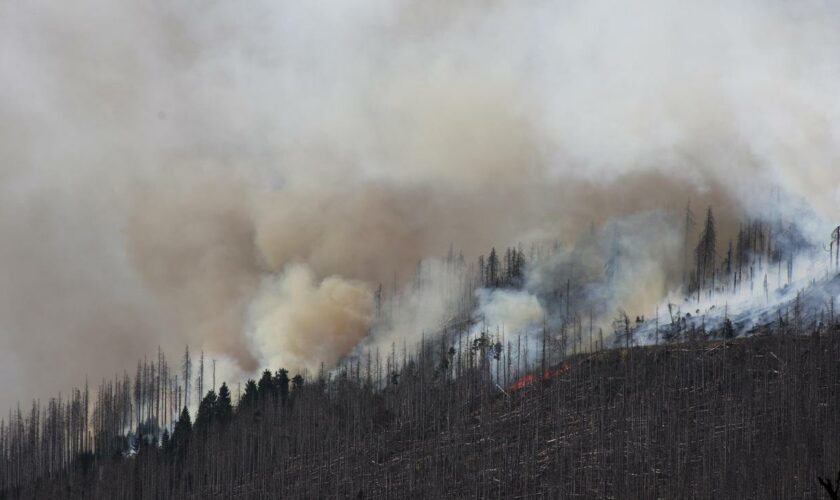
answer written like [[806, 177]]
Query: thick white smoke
[[517, 311]]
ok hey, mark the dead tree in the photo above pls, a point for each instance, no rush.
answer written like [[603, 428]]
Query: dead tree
[[187, 374], [705, 254], [833, 489], [689, 224]]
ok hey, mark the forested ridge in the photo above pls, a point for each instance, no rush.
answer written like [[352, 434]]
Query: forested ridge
[[745, 418]]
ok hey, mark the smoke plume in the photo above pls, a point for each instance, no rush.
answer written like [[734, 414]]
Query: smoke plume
[[300, 323], [243, 177]]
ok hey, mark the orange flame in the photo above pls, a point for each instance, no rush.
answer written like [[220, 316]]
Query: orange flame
[[529, 378]]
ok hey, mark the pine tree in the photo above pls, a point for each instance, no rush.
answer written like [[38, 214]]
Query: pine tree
[[265, 387], [281, 384], [727, 330], [251, 396], [224, 407], [206, 412], [182, 434], [297, 383], [165, 443], [492, 280]]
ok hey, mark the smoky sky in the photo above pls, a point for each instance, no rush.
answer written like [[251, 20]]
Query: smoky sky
[[241, 176]]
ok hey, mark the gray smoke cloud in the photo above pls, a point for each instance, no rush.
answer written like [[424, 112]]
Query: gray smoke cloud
[[218, 173]]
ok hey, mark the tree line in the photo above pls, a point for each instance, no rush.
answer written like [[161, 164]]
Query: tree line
[[743, 418]]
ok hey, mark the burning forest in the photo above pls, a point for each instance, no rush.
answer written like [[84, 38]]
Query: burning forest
[[419, 249]]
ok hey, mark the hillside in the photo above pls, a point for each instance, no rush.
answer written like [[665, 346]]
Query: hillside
[[748, 418]]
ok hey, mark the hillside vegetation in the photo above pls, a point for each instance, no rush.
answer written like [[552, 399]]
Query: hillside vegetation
[[747, 418]]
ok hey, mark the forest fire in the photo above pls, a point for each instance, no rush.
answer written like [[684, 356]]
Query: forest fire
[[529, 378], [355, 250]]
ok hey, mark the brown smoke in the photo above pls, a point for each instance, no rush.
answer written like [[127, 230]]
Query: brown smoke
[[300, 323], [194, 245]]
